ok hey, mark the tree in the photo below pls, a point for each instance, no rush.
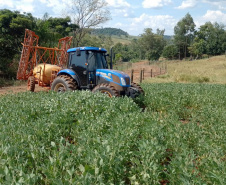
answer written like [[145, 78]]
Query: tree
[[184, 34], [12, 26], [210, 40], [198, 48], [169, 52], [50, 30], [214, 37], [87, 14], [153, 44]]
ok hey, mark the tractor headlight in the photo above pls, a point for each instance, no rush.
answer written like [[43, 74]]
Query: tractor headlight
[[123, 81]]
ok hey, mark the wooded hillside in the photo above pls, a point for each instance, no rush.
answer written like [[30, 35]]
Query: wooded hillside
[[109, 31]]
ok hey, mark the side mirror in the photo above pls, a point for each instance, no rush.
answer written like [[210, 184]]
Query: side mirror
[[78, 52]]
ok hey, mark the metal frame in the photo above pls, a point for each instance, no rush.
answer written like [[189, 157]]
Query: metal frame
[[32, 55]]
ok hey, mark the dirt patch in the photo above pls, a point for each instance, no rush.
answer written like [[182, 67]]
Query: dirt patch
[[16, 89]]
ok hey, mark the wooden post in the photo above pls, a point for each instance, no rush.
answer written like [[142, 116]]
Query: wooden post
[[160, 70], [132, 75], [151, 73], [141, 76], [143, 73]]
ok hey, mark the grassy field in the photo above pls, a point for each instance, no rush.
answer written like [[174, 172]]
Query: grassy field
[[123, 39], [211, 70]]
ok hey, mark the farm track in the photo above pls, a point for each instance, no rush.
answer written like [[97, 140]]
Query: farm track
[[16, 89]]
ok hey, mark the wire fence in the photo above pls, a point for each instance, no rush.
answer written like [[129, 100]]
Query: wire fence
[[142, 70]]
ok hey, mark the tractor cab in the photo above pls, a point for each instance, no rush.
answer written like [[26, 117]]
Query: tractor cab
[[84, 61]]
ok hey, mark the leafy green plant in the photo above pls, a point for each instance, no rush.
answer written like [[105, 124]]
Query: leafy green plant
[[85, 138]]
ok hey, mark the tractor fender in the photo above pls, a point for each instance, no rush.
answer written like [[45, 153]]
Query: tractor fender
[[71, 73]]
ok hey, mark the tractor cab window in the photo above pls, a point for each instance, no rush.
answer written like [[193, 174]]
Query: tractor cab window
[[96, 60], [101, 61], [91, 60], [78, 60]]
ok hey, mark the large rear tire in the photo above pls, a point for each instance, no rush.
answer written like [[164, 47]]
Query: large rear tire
[[31, 84], [106, 89], [64, 83], [138, 87]]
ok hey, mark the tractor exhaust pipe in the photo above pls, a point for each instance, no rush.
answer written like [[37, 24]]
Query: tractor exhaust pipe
[[111, 60]]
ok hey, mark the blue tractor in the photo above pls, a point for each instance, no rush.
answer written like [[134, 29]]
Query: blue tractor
[[87, 68]]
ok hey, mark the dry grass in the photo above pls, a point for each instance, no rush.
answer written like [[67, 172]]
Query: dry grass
[[210, 70], [116, 40]]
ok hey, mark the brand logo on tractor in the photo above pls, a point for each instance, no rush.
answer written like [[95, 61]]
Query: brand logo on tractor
[[104, 75]]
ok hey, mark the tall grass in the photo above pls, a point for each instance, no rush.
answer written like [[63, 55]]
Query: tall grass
[[210, 70]]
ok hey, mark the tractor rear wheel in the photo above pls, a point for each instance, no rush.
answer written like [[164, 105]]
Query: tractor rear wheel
[[31, 84], [138, 87], [106, 89], [64, 83]]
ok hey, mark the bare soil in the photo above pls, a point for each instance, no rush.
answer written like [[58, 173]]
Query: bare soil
[[17, 89]]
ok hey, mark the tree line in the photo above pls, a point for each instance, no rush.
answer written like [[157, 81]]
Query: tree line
[[187, 42]]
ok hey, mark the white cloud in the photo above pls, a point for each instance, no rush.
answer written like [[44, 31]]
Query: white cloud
[[20, 5], [187, 4], [155, 3], [118, 3], [57, 6], [122, 13], [136, 26], [25, 8], [8, 3], [212, 16], [221, 4], [215, 16], [120, 8]]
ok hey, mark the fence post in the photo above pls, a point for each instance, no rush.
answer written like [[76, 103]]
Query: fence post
[[132, 75], [151, 73], [143, 73], [160, 70], [141, 76]]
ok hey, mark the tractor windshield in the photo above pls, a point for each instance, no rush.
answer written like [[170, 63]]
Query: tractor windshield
[[96, 60]]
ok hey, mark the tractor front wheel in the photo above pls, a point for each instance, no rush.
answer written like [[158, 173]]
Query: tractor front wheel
[[106, 89], [138, 87], [31, 84], [63, 83]]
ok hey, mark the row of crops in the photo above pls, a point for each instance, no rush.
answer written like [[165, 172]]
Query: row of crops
[[85, 138]]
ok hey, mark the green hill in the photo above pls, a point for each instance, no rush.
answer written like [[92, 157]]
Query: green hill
[[109, 31]]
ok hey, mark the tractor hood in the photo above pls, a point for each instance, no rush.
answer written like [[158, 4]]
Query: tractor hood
[[114, 76]]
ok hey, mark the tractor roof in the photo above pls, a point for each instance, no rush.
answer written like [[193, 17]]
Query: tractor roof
[[87, 49]]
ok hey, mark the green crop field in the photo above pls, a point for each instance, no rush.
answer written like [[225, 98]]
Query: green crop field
[[174, 134]]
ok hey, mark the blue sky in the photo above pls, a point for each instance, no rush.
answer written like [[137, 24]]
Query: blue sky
[[133, 16]]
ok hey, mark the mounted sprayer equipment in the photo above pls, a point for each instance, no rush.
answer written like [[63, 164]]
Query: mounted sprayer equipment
[[63, 69]]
